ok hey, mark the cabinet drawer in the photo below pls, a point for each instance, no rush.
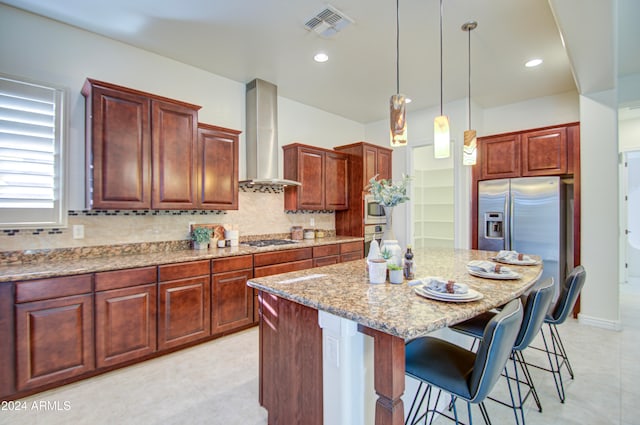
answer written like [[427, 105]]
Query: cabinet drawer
[[126, 278], [282, 268], [325, 250], [182, 270], [351, 247], [43, 289], [350, 256], [230, 264], [285, 256], [326, 261]]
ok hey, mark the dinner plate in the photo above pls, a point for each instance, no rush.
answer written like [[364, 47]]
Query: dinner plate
[[503, 275], [471, 295], [516, 262]]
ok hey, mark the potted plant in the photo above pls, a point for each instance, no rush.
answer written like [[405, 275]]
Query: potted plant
[[395, 273], [201, 237], [389, 195]]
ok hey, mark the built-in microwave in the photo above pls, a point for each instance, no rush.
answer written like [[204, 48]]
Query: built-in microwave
[[373, 211]]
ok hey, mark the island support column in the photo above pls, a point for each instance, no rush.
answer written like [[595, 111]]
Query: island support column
[[389, 376]]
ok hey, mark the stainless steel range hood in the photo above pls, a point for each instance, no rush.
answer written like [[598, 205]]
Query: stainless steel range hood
[[262, 136]]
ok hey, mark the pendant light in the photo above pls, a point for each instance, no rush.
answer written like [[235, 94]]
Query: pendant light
[[470, 149], [441, 137], [398, 102]]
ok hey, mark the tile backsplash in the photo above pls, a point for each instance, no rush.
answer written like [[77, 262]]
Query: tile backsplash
[[258, 213]]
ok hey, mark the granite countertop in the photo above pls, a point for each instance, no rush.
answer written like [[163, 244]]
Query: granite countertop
[[82, 265], [344, 290]]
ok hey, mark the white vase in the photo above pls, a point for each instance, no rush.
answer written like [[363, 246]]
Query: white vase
[[200, 245], [396, 276], [393, 248]]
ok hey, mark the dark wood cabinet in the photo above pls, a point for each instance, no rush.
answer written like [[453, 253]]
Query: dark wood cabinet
[[54, 330], [323, 175], [184, 308], [287, 327], [525, 154], [125, 327], [174, 141], [325, 255], [350, 251], [365, 161], [140, 149], [7, 336], [500, 157], [217, 168], [118, 147], [544, 152], [288, 260], [232, 301]]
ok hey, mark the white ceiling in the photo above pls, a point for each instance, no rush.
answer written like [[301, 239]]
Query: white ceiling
[[247, 39]]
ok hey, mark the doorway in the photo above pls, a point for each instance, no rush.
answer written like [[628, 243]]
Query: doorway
[[631, 218], [431, 221]]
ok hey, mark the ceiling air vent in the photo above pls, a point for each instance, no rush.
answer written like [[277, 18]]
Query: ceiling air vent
[[328, 22]]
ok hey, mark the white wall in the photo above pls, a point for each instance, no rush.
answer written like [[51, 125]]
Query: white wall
[[599, 209], [629, 135]]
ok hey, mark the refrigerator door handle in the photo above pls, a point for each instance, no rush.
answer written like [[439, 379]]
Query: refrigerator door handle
[[508, 243]]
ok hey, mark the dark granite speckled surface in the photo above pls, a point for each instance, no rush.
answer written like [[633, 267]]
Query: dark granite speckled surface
[[344, 290]]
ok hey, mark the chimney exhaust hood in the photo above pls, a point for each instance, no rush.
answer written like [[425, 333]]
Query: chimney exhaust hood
[[262, 136]]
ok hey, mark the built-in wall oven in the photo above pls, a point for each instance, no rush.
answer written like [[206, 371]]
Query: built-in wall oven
[[372, 232], [373, 211]]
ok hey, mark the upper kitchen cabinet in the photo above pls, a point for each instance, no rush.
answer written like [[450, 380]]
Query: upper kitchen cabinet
[[140, 149], [217, 167], [540, 152], [366, 160], [323, 177]]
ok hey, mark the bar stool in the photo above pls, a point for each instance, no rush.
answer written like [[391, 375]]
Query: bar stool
[[458, 371], [556, 354], [536, 305]]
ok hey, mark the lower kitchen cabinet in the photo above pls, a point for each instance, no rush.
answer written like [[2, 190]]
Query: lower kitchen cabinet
[[54, 330], [184, 310], [125, 315], [7, 336], [326, 255], [232, 301], [350, 251]]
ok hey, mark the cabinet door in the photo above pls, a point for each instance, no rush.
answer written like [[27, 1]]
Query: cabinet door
[[500, 157], [120, 149], [336, 181], [7, 336], [310, 170], [231, 301], [125, 324], [383, 164], [370, 164], [217, 168], [54, 340], [544, 153], [174, 156], [184, 312]]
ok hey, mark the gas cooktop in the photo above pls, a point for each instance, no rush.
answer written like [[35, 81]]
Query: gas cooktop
[[269, 242]]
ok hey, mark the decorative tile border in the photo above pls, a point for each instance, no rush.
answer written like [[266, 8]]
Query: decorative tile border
[[124, 213]]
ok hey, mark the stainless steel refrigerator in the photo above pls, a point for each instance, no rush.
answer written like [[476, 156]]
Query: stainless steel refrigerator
[[526, 215]]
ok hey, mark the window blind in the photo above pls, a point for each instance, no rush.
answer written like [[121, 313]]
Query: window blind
[[31, 117]]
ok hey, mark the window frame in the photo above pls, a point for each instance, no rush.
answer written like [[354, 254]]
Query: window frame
[[56, 217]]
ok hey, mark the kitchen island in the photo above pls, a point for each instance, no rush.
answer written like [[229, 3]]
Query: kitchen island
[[291, 342]]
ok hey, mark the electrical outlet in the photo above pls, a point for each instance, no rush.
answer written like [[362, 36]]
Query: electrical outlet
[[312, 221], [78, 231]]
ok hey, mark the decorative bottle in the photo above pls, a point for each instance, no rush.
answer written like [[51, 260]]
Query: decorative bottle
[[409, 268]]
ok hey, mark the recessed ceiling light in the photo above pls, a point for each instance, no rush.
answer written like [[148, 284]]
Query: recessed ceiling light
[[321, 57], [533, 62], [407, 100]]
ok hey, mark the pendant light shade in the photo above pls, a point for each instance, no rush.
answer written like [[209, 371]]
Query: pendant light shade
[[469, 152], [441, 139], [398, 102]]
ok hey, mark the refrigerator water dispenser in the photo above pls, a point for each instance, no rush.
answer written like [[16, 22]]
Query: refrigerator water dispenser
[[494, 225]]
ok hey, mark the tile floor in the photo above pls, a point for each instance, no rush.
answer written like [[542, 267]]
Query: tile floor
[[216, 383]]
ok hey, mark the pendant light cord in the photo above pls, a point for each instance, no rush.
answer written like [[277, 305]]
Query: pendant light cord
[[469, 34], [441, 96], [397, 46]]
